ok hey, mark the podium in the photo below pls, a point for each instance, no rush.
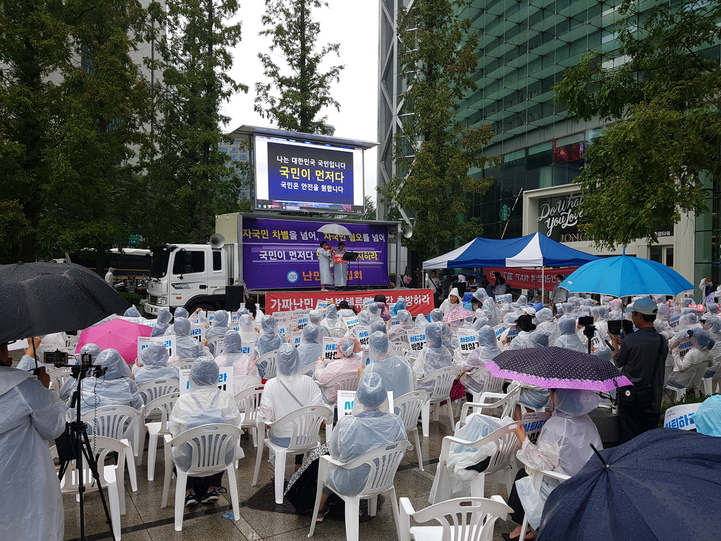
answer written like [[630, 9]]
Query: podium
[[349, 257]]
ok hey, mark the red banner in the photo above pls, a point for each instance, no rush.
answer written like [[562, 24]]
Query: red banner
[[529, 278], [418, 301]]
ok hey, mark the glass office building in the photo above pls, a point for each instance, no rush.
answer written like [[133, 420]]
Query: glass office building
[[524, 48]]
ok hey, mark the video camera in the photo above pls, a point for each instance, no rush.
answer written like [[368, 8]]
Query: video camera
[[615, 326], [86, 365], [589, 329]]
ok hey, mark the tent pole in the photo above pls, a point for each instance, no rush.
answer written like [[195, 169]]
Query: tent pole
[[543, 282]]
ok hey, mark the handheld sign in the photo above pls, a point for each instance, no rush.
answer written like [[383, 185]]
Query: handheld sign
[[167, 341], [533, 423], [225, 379], [363, 333], [467, 340], [321, 305], [295, 338], [351, 321], [416, 340], [330, 346], [197, 331]]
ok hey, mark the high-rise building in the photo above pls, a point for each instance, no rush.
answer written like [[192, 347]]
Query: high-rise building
[[524, 48]]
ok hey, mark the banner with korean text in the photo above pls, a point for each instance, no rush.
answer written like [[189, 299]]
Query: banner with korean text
[[529, 278], [418, 301], [281, 254]]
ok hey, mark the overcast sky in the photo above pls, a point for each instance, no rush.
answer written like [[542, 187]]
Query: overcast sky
[[353, 24]]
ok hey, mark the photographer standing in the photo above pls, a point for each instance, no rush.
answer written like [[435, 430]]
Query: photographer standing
[[641, 356], [31, 507]]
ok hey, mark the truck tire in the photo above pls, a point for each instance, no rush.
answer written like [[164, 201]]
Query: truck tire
[[202, 305]]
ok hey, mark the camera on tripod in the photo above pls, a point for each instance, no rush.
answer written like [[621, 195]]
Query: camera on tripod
[[589, 329], [86, 365]]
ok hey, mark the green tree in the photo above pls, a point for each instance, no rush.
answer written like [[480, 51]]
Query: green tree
[[648, 166], [34, 43], [435, 153], [297, 91], [189, 178]]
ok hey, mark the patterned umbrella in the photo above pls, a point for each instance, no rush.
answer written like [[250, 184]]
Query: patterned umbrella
[[457, 315], [557, 368]]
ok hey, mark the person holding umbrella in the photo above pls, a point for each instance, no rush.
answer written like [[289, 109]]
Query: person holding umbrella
[[641, 356]]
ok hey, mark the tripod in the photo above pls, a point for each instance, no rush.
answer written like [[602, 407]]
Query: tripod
[[78, 448]]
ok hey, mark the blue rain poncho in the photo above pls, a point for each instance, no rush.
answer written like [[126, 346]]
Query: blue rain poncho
[[434, 355], [155, 365], [232, 356], [269, 339], [310, 347], [287, 392], [708, 416], [219, 326], [569, 339], [399, 305], [185, 346], [203, 404], [31, 506], [395, 371], [357, 434], [162, 323], [115, 388]]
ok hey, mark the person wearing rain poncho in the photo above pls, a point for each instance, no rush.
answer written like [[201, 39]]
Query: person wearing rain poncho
[[395, 371], [713, 325], [154, 365], [435, 316], [347, 360], [487, 350], [487, 306], [532, 396], [464, 462], [379, 326], [310, 347], [203, 404], [69, 386], [547, 324], [287, 392], [219, 326], [186, 348], [357, 434], [333, 323], [563, 446], [400, 304], [269, 339], [316, 318], [247, 330], [525, 326], [31, 507], [569, 339], [434, 355], [133, 312], [451, 303], [405, 325], [114, 388], [162, 323], [233, 356], [375, 312], [698, 357]]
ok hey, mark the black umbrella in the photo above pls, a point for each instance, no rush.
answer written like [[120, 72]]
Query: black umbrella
[[557, 368], [42, 298], [664, 484]]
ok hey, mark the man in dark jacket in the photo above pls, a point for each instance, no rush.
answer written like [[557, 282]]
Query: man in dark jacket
[[641, 356]]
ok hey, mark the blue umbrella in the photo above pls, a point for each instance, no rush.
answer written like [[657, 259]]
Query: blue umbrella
[[664, 484], [623, 275]]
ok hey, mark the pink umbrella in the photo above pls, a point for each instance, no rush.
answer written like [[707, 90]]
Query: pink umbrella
[[457, 315], [118, 334]]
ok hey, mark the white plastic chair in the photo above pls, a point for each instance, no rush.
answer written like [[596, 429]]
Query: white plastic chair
[[111, 477], [157, 428], [490, 384], [58, 376], [408, 407], [240, 383], [119, 423], [461, 519], [209, 445], [248, 401], [342, 382], [441, 381], [305, 424], [712, 385], [697, 373], [213, 344], [383, 463], [268, 362], [502, 462], [150, 390], [494, 404]]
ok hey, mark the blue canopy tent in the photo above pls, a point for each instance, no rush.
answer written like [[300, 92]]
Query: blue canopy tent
[[535, 250]]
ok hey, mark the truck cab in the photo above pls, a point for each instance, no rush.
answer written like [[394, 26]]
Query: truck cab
[[189, 275]]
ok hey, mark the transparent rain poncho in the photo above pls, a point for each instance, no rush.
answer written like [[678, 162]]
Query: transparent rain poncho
[[374, 311], [362, 432], [569, 339], [395, 371], [487, 350], [421, 321], [162, 322], [547, 324], [310, 347], [69, 386], [247, 330], [480, 322], [154, 361], [434, 355], [219, 326], [436, 316], [269, 339], [185, 346], [181, 312], [347, 361], [114, 388], [132, 312], [203, 404], [335, 325], [379, 326], [288, 391], [233, 356]]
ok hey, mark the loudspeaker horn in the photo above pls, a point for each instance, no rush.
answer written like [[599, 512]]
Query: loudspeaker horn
[[217, 241], [407, 231]]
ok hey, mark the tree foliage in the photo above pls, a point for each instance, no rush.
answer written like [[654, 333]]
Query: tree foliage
[[189, 178], [647, 166], [435, 153], [298, 90]]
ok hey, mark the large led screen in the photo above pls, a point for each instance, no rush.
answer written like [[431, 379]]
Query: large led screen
[[308, 176]]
